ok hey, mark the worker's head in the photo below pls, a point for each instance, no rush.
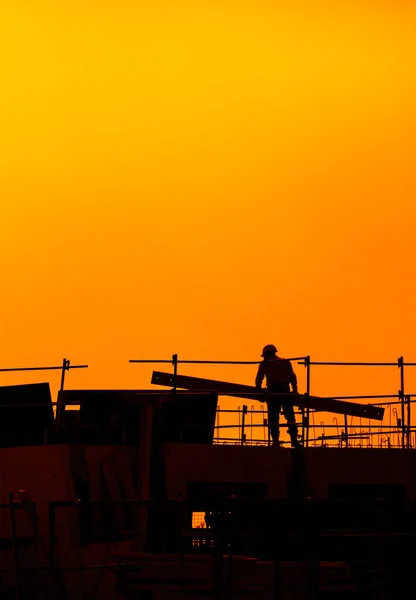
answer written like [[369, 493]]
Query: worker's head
[[269, 350]]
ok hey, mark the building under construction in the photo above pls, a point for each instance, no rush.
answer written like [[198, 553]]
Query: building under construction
[[150, 494]]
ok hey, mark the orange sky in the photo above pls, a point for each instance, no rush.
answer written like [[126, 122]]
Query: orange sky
[[204, 178]]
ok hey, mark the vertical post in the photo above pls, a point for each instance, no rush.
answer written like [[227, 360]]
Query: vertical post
[[346, 430], [59, 407], [267, 420], [174, 390], [243, 424], [308, 389], [65, 367], [175, 371], [409, 441], [15, 547], [400, 364]]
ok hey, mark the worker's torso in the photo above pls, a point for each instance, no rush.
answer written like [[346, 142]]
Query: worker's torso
[[277, 370]]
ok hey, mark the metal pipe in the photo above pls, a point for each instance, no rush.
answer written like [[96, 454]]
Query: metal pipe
[[409, 420], [10, 370], [65, 365], [313, 424], [175, 371], [354, 364], [209, 362], [396, 414], [408, 440], [401, 397], [346, 430], [322, 424], [251, 421], [264, 422], [308, 391], [243, 424], [218, 414]]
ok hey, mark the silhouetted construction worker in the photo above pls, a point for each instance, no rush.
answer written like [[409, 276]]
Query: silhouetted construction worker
[[279, 374]]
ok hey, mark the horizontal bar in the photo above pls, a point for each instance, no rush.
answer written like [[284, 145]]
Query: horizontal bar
[[359, 364], [209, 362], [394, 428], [256, 362], [356, 427], [354, 364], [368, 433], [372, 397], [152, 361], [342, 437], [44, 368]]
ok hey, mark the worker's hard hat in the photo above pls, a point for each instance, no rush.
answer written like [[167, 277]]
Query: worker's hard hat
[[269, 349]]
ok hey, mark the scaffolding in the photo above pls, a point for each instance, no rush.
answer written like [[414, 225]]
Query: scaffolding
[[247, 420], [400, 434]]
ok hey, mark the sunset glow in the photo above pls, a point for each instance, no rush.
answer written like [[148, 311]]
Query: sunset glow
[[205, 178]]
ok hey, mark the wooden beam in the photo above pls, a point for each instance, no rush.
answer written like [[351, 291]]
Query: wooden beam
[[340, 407]]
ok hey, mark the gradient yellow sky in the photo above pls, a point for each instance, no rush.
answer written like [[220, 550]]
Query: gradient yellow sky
[[204, 178]]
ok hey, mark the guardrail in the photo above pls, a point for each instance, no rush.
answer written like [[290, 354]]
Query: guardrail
[[403, 399], [66, 366]]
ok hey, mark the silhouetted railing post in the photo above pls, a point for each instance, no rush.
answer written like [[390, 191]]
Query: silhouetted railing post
[[243, 424], [400, 364], [175, 370], [308, 390], [409, 421], [65, 367], [346, 430], [175, 381]]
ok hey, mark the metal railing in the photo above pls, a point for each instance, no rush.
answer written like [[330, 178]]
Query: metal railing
[[64, 367], [403, 426], [399, 434]]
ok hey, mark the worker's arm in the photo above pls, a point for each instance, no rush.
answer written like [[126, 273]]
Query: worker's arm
[[260, 376], [293, 379]]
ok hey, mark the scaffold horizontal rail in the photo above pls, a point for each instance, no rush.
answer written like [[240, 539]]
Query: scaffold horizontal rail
[[246, 391]]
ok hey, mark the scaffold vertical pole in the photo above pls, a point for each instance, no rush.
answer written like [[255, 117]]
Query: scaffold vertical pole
[[243, 424], [400, 364], [308, 389], [65, 367], [346, 430], [409, 427], [175, 371]]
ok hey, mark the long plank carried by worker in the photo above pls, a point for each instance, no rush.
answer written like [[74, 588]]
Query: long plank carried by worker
[[353, 409]]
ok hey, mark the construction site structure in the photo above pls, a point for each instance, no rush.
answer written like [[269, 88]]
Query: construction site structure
[[135, 494]]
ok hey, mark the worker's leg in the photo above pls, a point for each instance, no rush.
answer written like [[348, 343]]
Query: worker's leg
[[273, 407], [289, 413]]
